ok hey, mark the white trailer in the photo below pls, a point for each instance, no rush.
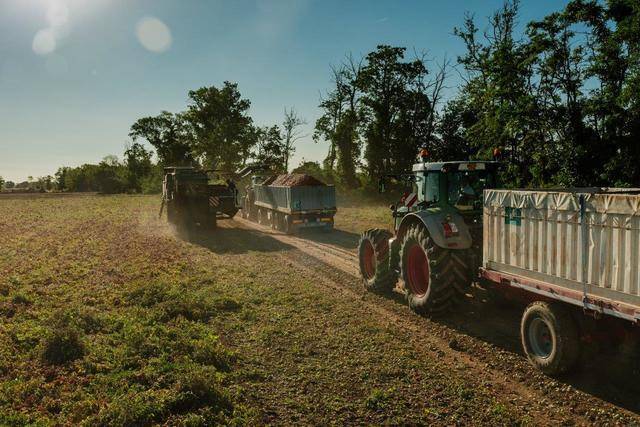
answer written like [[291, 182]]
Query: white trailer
[[560, 248]]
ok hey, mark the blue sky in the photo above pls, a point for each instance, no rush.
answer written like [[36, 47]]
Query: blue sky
[[75, 74]]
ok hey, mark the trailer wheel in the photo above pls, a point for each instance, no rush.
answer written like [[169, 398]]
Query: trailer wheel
[[435, 278], [550, 337], [287, 225], [283, 222], [373, 253]]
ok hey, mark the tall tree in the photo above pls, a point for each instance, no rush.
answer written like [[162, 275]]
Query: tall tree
[[559, 102], [499, 85], [137, 160], [393, 99], [169, 135], [291, 133], [340, 121], [221, 126], [613, 62], [271, 149], [60, 177]]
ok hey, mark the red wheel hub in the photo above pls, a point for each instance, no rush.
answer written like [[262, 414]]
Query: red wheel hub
[[418, 270], [368, 260]]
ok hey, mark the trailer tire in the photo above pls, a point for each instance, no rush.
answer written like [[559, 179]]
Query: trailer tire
[[262, 216], [435, 278], [373, 254], [550, 337], [287, 225]]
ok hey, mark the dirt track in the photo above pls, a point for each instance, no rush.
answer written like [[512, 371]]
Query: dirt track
[[478, 338]]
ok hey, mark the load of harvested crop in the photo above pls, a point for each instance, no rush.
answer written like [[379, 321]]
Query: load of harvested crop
[[295, 180]]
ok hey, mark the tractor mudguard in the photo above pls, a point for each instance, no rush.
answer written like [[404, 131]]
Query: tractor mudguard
[[433, 220]]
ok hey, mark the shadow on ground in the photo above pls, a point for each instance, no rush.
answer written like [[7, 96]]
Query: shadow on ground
[[232, 240], [340, 238], [610, 375]]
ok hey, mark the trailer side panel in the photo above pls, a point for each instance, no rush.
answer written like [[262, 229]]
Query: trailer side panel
[[587, 242], [298, 199]]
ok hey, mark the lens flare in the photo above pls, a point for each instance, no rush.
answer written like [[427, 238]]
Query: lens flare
[[44, 42], [153, 34]]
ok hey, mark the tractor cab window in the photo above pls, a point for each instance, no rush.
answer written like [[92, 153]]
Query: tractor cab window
[[432, 187], [465, 188], [426, 187]]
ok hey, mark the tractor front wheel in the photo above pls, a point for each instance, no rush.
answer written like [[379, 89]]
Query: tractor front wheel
[[435, 278], [373, 253]]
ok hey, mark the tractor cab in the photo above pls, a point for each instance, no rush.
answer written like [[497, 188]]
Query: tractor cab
[[450, 185]]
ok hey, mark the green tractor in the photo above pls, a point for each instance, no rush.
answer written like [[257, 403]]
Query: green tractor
[[193, 199], [437, 245]]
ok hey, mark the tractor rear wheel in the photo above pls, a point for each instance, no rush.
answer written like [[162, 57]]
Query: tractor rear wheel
[[373, 252], [435, 278]]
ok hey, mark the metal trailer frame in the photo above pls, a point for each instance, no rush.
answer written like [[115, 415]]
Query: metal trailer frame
[[594, 305]]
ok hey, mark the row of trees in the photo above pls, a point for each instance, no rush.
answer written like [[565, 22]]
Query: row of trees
[[216, 131], [44, 183], [137, 173], [561, 100]]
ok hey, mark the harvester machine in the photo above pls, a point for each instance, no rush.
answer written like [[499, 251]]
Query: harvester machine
[[197, 197]]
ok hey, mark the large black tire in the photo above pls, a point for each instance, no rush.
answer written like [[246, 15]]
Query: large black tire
[[435, 278], [373, 253], [550, 337]]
